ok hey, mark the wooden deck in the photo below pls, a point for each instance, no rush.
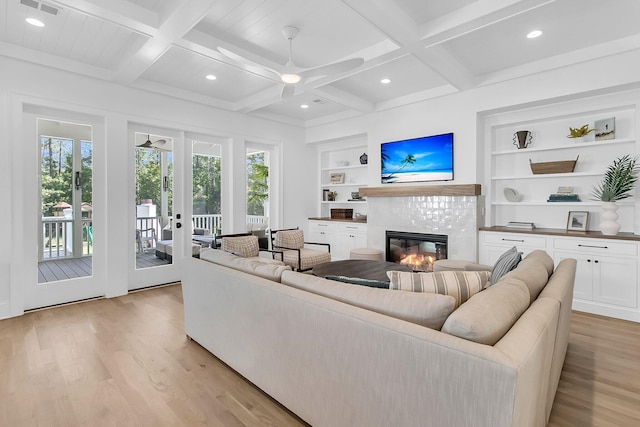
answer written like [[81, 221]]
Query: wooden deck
[[72, 268]]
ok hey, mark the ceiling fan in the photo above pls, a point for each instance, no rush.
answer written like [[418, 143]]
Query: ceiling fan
[[290, 74], [157, 144]]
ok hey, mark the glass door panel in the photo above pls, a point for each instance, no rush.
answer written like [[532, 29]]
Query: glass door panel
[[257, 188], [65, 239], [154, 200], [206, 180]]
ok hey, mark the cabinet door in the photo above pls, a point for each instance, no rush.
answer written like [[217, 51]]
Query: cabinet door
[[583, 286], [615, 281]]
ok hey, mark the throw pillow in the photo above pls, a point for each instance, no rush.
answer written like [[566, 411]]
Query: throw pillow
[[359, 281], [244, 246], [461, 285], [505, 263]]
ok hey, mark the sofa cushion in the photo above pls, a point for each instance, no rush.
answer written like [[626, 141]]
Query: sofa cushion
[[489, 314], [245, 246], [505, 263], [262, 267], [534, 271], [428, 310], [459, 284], [309, 258]]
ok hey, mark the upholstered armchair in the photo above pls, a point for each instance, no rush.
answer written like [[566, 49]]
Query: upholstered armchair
[[245, 245], [294, 253]]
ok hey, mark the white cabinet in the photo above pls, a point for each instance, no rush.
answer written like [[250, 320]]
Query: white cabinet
[[351, 236], [607, 268], [508, 167], [341, 235], [492, 245]]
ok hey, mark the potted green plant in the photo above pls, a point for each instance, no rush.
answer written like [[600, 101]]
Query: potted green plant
[[618, 183], [579, 132]]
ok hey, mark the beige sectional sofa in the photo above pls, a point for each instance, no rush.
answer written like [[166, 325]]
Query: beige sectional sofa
[[338, 354]]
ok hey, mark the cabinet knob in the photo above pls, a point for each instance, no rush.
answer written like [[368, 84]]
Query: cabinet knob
[[596, 261]]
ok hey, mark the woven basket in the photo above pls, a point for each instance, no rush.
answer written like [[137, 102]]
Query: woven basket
[[563, 166]]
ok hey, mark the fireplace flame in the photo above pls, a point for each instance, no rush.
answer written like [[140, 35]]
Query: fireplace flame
[[418, 262]]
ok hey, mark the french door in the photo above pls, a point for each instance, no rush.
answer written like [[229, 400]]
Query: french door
[[62, 218]]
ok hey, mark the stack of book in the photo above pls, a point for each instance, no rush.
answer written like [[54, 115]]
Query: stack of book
[[563, 197], [519, 224]]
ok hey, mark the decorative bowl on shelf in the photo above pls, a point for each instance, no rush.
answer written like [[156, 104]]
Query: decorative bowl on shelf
[[563, 166], [512, 195]]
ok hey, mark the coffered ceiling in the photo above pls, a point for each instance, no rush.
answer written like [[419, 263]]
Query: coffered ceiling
[[426, 48]]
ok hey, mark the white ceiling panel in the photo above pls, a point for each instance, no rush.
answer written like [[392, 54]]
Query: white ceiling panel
[[566, 25], [184, 70], [318, 107], [427, 48], [408, 75]]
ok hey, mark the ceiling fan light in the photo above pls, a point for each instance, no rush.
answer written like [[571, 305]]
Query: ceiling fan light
[[290, 78], [35, 22]]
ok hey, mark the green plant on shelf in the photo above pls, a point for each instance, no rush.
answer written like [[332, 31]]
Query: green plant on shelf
[[619, 180], [579, 132]]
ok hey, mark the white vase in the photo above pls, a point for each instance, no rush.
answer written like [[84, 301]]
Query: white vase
[[608, 219]]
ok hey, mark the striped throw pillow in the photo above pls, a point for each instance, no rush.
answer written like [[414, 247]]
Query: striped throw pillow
[[461, 285], [505, 263]]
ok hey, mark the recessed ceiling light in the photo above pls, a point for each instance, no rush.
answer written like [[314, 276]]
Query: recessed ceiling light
[[304, 106], [534, 34], [385, 81], [211, 77], [35, 22]]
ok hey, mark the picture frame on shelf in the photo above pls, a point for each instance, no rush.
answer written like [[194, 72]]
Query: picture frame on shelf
[[605, 129], [336, 178], [577, 221]]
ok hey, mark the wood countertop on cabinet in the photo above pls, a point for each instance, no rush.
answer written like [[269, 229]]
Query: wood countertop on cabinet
[[358, 221], [563, 233]]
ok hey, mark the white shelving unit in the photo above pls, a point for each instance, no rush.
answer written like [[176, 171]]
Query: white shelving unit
[[343, 159], [509, 167]]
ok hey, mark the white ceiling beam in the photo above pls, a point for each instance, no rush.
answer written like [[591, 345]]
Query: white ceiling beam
[[262, 99], [341, 97], [388, 18], [447, 66], [473, 17], [184, 17]]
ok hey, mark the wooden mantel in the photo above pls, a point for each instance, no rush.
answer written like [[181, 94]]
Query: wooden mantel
[[422, 190]]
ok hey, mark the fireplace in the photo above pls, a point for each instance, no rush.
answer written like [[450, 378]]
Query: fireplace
[[417, 250]]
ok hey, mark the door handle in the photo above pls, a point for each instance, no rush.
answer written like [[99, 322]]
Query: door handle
[[78, 181]]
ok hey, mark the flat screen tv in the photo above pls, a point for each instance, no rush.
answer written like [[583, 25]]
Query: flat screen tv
[[429, 158]]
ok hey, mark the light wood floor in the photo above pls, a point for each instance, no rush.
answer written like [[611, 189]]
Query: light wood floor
[[126, 361]]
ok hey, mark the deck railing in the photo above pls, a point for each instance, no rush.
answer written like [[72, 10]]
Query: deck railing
[[57, 232]]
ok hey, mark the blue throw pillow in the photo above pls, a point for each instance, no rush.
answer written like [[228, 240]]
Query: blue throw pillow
[[505, 263]]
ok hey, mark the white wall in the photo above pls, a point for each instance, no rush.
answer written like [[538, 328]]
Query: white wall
[[459, 113], [118, 107]]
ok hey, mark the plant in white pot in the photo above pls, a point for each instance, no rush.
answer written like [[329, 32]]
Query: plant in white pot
[[618, 183]]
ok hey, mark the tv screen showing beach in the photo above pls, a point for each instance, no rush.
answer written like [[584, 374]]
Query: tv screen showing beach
[[429, 158]]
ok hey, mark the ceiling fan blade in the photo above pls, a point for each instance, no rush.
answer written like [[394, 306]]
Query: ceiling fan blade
[[335, 68], [288, 91], [247, 62]]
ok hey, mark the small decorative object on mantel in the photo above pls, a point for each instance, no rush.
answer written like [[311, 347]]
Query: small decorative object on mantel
[[331, 196], [618, 183], [605, 129], [577, 221], [579, 132], [364, 159], [563, 166], [522, 139]]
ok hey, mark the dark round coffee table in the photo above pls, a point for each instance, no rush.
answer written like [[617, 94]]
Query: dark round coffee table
[[359, 268]]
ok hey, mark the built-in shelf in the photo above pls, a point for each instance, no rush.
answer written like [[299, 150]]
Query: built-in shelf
[[348, 184], [344, 167], [423, 190], [561, 232], [569, 146], [547, 175]]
